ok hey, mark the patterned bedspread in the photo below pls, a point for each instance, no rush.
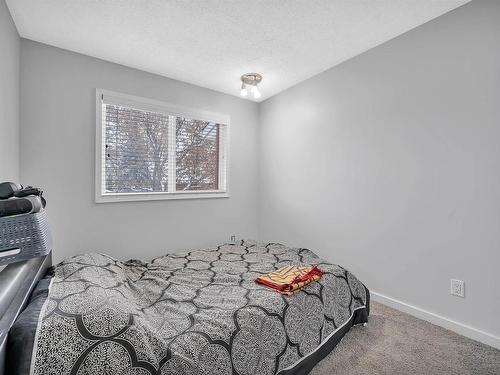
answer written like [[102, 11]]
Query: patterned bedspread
[[198, 312]]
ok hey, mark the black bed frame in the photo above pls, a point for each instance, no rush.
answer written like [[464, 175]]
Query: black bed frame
[[17, 281]]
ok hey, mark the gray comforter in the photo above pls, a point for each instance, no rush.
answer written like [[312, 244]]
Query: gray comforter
[[198, 312]]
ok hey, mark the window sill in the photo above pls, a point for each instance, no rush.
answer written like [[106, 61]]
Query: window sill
[[140, 197]]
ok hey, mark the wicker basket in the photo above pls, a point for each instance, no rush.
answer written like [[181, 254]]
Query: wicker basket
[[24, 237]]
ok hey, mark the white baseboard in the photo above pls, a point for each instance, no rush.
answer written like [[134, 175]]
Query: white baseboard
[[452, 325]]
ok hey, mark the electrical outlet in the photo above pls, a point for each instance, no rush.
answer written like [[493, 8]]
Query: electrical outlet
[[233, 238], [457, 288]]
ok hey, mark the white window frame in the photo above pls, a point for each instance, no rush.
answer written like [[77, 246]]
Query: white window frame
[[145, 104]]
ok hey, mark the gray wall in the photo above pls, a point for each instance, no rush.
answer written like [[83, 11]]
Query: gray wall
[[57, 138], [389, 164], [9, 97]]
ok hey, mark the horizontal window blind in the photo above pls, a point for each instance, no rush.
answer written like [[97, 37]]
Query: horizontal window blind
[[136, 150], [154, 151]]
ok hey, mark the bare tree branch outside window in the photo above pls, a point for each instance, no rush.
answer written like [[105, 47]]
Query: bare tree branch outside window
[[197, 155]]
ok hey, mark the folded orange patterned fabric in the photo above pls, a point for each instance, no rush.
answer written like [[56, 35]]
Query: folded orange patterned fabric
[[290, 279]]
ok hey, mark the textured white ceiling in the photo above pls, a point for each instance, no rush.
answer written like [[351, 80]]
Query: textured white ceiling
[[210, 43]]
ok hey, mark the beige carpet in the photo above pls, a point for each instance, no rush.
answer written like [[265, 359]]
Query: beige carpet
[[397, 343]]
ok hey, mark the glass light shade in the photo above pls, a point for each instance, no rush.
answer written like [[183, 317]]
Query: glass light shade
[[256, 93]]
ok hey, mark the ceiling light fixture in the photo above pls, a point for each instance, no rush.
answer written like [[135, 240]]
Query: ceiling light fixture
[[252, 80]]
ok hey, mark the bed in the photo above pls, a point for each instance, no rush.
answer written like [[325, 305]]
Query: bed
[[197, 312]]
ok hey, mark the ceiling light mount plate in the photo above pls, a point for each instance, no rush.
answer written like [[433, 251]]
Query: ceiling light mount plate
[[252, 79]]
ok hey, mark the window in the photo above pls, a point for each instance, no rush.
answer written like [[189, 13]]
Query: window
[[152, 150]]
